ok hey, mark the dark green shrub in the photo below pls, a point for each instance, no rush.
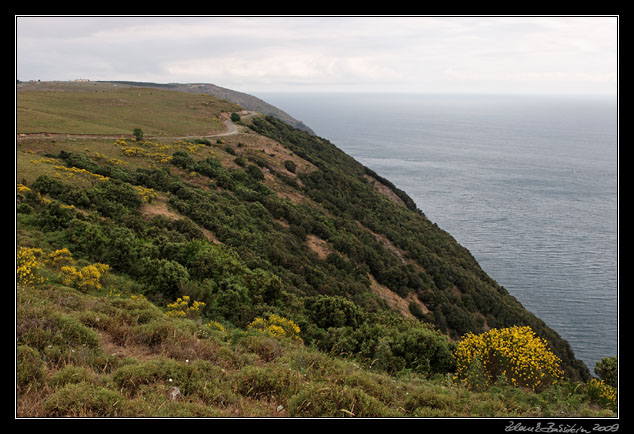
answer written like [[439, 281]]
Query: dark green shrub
[[255, 172], [425, 351], [290, 166], [183, 160], [116, 191], [202, 141], [55, 217], [162, 276], [47, 185], [138, 134], [328, 311], [608, 370], [416, 310], [240, 161]]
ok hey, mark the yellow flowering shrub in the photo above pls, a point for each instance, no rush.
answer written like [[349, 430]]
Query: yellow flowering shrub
[[601, 393], [276, 326], [147, 194], [182, 308], [60, 257], [28, 266], [216, 326], [22, 189], [89, 277], [71, 172], [514, 354], [155, 151]]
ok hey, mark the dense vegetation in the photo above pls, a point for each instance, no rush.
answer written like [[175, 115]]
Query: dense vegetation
[[444, 275], [251, 273]]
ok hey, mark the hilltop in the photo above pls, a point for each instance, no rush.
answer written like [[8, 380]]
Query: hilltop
[[245, 100], [252, 265]]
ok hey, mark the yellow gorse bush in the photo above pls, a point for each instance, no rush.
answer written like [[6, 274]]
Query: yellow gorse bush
[[22, 189], [515, 354], [602, 393], [89, 277], [28, 266], [182, 308], [71, 172], [216, 326], [276, 326], [60, 257], [147, 195]]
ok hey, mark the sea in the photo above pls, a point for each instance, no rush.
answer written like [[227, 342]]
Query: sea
[[527, 183]]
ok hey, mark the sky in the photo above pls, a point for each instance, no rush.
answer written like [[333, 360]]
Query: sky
[[421, 54]]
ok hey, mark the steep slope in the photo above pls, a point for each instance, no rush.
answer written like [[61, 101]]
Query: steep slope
[[270, 220], [415, 259]]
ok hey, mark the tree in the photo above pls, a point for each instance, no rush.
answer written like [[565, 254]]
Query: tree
[[235, 117], [138, 134]]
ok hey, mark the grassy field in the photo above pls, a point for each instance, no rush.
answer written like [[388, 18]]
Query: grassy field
[[98, 108]]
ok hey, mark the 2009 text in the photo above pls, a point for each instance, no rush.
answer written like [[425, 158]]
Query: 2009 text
[[552, 427]]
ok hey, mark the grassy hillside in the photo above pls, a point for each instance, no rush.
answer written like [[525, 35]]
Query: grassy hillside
[[245, 100], [98, 108], [262, 273]]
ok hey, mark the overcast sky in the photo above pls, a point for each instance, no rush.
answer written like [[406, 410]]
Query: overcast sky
[[378, 54]]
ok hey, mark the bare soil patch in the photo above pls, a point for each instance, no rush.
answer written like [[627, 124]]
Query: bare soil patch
[[385, 190], [319, 246]]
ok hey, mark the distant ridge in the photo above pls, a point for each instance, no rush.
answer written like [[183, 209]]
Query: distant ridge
[[247, 101]]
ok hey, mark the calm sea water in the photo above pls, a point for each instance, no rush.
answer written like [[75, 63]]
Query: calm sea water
[[528, 184]]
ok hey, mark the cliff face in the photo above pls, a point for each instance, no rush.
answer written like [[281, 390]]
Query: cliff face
[[268, 219]]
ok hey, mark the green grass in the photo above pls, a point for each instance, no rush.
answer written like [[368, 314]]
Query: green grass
[[118, 110]]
